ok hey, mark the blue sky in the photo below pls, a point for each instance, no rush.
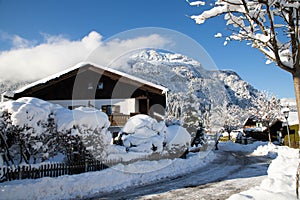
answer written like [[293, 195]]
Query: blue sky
[[25, 24]]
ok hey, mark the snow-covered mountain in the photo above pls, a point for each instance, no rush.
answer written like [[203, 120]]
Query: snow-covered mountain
[[194, 91], [11, 85], [182, 74]]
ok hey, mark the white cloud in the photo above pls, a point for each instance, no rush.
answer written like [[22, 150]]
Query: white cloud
[[30, 61], [106, 53], [19, 42]]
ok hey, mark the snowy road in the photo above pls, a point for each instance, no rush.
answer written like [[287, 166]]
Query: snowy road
[[231, 172]]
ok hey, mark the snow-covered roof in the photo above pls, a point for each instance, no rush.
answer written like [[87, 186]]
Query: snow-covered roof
[[293, 118], [82, 64]]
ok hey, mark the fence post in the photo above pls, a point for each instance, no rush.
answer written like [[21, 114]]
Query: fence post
[[48, 170], [24, 172], [86, 165], [19, 173], [38, 172]]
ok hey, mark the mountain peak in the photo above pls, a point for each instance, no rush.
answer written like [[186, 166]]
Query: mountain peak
[[151, 55]]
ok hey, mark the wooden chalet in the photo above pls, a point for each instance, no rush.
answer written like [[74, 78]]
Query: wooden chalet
[[253, 127], [118, 94]]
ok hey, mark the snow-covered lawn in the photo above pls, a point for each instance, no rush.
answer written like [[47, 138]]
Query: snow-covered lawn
[[279, 184]]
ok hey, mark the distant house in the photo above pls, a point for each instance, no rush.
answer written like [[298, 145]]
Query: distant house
[[252, 122], [293, 124], [255, 128], [118, 94], [293, 121]]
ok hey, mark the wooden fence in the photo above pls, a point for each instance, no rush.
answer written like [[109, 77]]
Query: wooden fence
[[60, 169], [50, 170]]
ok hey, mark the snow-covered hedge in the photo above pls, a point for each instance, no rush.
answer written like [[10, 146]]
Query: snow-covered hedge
[[33, 130]]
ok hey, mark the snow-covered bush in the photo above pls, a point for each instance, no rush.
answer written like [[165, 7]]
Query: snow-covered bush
[[33, 130], [177, 140], [88, 127], [144, 134], [27, 128]]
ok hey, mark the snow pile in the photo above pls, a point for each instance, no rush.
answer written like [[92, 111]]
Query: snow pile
[[281, 181], [143, 136], [45, 130], [231, 146]]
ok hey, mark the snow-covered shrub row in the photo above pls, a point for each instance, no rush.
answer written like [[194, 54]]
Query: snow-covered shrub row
[[143, 134], [33, 130]]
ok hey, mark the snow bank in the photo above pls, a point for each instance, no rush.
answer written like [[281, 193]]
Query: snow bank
[[231, 146], [281, 182]]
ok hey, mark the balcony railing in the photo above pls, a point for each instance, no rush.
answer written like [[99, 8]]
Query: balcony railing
[[118, 119]]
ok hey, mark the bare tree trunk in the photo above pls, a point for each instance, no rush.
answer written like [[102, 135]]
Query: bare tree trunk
[[269, 133], [296, 79]]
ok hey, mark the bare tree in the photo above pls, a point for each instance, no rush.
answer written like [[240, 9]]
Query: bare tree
[[271, 26], [267, 109]]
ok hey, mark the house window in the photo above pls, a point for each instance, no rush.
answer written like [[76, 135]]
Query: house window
[[100, 86], [259, 124], [110, 109]]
